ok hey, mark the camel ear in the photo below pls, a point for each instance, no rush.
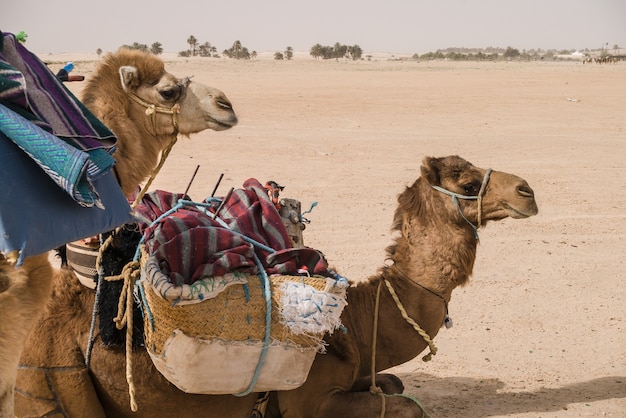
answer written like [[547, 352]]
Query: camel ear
[[430, 170], [129, 77]]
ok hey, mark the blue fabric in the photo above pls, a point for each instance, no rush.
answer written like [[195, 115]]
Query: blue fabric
[[70, 168], [37, 216]]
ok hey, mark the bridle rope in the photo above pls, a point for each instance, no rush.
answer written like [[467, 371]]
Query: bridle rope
[[375, 389], [479, 198], [152, 110]]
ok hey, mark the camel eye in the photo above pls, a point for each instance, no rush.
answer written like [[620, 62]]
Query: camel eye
[[171, 94], [470, 189]]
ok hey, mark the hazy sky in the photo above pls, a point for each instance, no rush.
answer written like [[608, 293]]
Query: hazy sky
[[402, 26]]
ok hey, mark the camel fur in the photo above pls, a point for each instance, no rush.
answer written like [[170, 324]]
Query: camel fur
[[433, 253], [53, 354], [21, 303]]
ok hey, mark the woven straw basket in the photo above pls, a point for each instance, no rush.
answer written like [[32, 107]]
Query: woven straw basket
[[216, 346]]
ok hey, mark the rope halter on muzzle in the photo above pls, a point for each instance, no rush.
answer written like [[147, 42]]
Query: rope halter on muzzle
[[152, 109], [479, 198]]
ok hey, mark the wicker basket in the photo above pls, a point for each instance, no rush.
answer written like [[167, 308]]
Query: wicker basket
[[216, 346]]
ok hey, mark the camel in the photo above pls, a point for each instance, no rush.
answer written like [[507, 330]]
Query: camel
[[433, 253], [146, 107], [436, 224]]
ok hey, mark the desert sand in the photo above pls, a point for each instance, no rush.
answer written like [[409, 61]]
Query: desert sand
[[540, 330]]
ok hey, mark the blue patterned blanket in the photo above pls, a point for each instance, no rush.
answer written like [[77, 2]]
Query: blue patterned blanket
[[48, 137], [47, 122]]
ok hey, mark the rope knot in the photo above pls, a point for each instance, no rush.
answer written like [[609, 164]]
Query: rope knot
[[130, 273], [376, 390]]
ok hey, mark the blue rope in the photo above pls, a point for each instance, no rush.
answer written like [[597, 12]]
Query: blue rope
[[411, 397], [267, 293], [455, 200], [457, 196]]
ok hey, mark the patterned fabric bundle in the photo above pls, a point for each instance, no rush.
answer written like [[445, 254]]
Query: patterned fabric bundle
[[47, 122], [190, 245]]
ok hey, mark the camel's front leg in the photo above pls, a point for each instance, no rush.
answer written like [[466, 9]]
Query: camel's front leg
[[327, 393], [345, 405]]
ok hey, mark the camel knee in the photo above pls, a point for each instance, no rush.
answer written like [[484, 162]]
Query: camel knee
[[387, 382]]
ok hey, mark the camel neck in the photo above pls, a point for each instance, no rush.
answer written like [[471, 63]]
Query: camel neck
[[444, 300]]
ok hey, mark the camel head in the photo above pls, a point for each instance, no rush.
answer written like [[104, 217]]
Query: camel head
[[478, 195], [444, 209], [176, 105], [146, 107]]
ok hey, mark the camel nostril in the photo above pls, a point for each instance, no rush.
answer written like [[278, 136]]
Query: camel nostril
[[525, 190], [224, 104]]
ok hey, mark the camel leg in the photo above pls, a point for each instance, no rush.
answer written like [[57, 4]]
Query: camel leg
[[346, 405], [367, 405], [328, 393], [23, 295]]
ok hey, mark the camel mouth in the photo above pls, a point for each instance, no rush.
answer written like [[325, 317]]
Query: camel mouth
[[221, 125], [519, 213]]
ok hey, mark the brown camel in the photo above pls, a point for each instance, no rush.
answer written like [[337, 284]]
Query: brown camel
[[146, 107], [434, 253]]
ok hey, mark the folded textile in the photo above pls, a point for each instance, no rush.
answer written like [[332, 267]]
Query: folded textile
[[190, 244], [45, 120], [27, 83], [70, 168]]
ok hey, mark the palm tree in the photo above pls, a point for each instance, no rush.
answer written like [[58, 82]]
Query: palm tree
[[192, 41], [206, 49], [156, 48], [316, 51], [355, 52], [289, 53], [237, 49], [339, 51]]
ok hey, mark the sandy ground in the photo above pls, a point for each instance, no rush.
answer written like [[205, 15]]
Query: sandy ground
[[540, 331]]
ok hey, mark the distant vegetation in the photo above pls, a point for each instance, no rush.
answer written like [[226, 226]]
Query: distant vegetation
[[336, 51], [494, 54], [355, 52], [156, 48]]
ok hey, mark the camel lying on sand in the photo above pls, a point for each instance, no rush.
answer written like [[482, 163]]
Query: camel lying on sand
[[436, 221], [146, 107], [433, 254]]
